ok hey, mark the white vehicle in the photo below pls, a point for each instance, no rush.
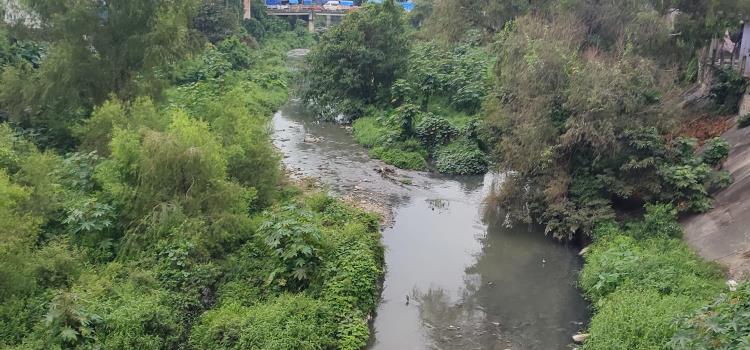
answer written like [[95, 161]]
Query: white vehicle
[[332, 5]]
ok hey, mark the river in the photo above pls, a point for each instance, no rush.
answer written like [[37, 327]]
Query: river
[[472, 282]]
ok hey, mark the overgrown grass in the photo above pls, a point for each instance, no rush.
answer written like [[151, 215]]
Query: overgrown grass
[[431, 140], [368, 132], [412, 160], [640, 286], [331, 311], [462, 157], [180, 231]]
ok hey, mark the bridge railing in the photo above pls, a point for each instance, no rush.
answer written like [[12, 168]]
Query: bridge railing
[[307, 8]]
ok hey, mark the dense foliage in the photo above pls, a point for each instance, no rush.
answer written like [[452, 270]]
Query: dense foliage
[[587, 131], [641, 280], [143, 204], [432, 113], [356, 62], [723, 324]]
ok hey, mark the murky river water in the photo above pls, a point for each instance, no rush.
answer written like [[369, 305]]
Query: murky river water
[[472, 282]]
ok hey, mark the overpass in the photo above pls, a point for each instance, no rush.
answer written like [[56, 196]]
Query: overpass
[[309, 11]]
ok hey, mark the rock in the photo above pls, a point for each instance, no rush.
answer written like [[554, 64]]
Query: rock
[[311, 139], [732, 284], [580, 337], [584, 250]]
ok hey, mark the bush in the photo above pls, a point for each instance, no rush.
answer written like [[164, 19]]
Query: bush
[[236, 52], [435, 131], [295, 240], [724, 324], [368, 132], [665, 265], [460, 158], [287, 322], [399, 158], [744, 121], [640, 286], [728, 90], [660, 220], [715, 151], [209, 65]]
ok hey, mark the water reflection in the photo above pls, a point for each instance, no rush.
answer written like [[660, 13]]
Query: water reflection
[[517, 295], [473, 283]]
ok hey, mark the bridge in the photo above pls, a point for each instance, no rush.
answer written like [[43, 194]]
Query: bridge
[[309, 11]]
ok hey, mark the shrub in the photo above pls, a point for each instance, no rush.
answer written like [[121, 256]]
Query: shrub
[[403, 119], [719, 180], [660, 220], [236, 52], [287, 322], [368, 132], [724, 324], [636, 321], [434, 131], [715, 151], [460, 158], [728, 90], [744, 121], [209, 65], [293, 238], [399, 158], [666, 265]]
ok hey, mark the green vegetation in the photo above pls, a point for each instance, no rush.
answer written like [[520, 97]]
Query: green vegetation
[[143, 204], [460, 158], [642, 279], [433, 94], [580, 103], [356, 62], [744, 121], [403, 159], [722, 324]]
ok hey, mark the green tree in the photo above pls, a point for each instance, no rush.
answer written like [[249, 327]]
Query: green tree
[[356, 62], [218, 19], [95, 49]]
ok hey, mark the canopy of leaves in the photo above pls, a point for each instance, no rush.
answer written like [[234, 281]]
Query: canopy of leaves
[[94, 49], [356, 62]]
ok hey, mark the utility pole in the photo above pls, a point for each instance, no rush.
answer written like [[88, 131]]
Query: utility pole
[[246, 9]]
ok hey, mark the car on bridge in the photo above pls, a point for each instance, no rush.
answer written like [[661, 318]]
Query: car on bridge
[[333, 5]]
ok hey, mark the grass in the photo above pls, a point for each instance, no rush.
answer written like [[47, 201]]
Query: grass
[[368, 132], [459, 158], [411, 160], [641, 286]]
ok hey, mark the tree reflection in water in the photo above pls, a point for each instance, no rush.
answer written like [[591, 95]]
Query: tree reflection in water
[[519, 294]]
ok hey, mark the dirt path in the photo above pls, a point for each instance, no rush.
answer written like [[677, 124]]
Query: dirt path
[[723, 234]]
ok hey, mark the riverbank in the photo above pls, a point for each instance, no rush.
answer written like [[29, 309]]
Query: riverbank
[[171, 224], [641, 278], [471, 281]]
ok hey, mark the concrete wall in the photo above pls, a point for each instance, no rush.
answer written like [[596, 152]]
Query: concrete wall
[[723, 234]]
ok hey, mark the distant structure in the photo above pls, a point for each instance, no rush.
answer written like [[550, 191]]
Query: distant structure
[[731, 50], [246, 10], [311, 9]]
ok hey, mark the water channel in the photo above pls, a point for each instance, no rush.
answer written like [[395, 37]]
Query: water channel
[[472, 282]]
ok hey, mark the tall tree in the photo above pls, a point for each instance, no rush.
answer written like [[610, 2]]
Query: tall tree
[[357, 62], [96, 48]]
